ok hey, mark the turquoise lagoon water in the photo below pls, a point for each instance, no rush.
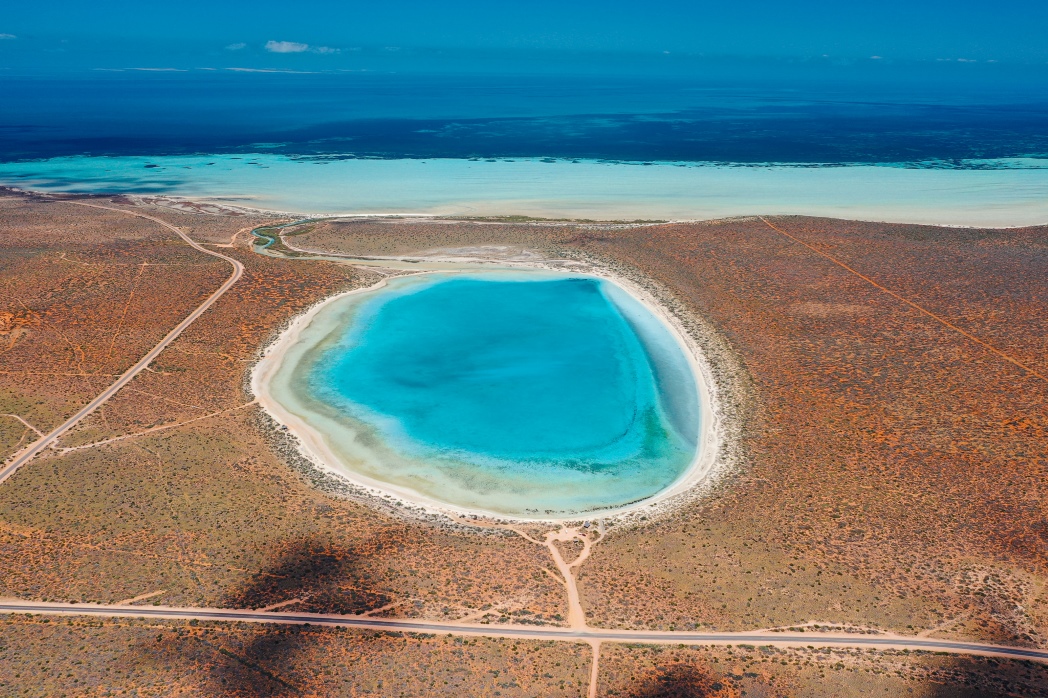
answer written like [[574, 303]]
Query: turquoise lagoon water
[[525, 394], [985, 193]]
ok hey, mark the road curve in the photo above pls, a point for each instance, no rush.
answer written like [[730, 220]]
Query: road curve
[[526, 632], [39, 445]]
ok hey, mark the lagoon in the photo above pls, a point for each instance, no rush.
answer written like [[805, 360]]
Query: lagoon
[[525, 394]]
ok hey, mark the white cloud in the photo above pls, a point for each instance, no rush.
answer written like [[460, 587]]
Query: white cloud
[[296, 47], [286, 47], [236, 47], [8, 36]]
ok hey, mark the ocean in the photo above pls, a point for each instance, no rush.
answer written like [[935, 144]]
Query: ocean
[[824, 120], [947, 151]]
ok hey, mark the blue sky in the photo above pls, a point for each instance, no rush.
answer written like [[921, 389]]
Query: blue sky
[[409, 33]]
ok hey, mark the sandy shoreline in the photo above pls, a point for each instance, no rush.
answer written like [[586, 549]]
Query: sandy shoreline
[[235, 205], [990, 194], [314, 447]]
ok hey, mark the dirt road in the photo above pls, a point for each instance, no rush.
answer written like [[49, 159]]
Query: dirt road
[[45, 441]]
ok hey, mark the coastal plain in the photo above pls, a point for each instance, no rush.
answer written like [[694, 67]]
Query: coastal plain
[[885, 415]]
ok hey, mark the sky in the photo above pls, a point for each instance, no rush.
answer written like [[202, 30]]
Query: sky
[[479, 34]]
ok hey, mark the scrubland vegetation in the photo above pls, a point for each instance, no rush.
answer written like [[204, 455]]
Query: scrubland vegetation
[[887, 468]]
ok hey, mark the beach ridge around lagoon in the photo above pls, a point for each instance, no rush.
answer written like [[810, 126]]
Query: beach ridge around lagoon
[[316, 447]]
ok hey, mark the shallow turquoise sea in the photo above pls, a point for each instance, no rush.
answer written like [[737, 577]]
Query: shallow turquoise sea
[[985, 193], [525, 394]]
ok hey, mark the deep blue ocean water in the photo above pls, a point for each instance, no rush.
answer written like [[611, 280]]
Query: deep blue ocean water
[[513, 393], [828, 119], [802, 140]]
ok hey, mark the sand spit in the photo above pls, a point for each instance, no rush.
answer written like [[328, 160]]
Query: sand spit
[[313, 446]]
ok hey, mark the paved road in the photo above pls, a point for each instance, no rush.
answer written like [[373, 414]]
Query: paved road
[[781, 639], [238, 270]]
